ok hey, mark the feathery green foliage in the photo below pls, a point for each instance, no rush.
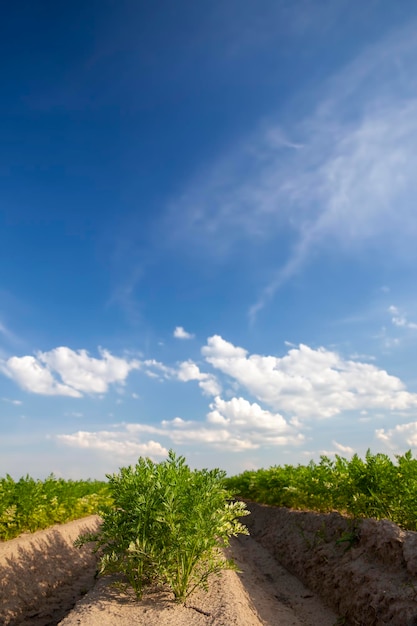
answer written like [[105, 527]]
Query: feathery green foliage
[[28, 505], [374, 487], [167, 525]]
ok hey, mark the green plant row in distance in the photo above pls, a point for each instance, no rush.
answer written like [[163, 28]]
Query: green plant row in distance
[[27, 505], [373, 487]]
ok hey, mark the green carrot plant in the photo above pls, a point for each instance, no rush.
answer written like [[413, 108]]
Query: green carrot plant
[[375, 486], [167, 525], [27, 505]]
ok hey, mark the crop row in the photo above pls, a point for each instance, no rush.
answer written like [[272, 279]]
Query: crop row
[[27, 505], [373, 487]]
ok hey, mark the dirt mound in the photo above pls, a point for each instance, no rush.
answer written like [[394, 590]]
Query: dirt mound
[[366, 570], [42, 575]]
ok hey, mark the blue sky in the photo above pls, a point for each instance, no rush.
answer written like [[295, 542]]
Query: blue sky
[[208, 233]]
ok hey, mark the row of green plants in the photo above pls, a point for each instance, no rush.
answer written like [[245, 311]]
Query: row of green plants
[[162, 523], [165, 524], [27, 505], [376, 487]]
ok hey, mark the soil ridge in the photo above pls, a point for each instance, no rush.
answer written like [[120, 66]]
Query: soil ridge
[[366, 570]]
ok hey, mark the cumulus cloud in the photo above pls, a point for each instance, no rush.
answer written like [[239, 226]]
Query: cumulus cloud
[[184, 372], [219, 438], [233, 425], [180, 333], [240, 412], [114, 443], [156, 369], [188, 370], [34, 377], [399, 438], [66, 372], [309, 383]]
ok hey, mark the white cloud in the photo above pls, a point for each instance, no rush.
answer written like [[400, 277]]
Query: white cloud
[[401, 437], [308, 383], [34, 377], [177, 431], [85, 373], [220, 438], [234, 425], [161, 370], [342, 448], [78, 372], [114, 443], [180, 333], [260, 427], [400, 320], [210, 386], [184, 372], [239, 412], [188, 370], [16, 402]]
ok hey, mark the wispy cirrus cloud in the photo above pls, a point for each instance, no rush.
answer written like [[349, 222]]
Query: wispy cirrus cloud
[[9, 335], [10, 401], [339, 178]]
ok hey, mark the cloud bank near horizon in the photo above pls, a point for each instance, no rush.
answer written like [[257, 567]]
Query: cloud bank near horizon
[[256, 400]]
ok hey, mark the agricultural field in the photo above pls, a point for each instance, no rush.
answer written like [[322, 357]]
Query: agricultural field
[[373, 487], [160, 528], [27, 505]]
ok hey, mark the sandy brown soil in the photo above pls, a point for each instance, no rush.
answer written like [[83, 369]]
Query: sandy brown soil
[[365, 570], [369, 578], [42, 577], [262, 594]]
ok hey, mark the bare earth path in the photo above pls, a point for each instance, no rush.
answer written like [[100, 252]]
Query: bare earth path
[[264, 593], [42, 576], [278, 597]]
